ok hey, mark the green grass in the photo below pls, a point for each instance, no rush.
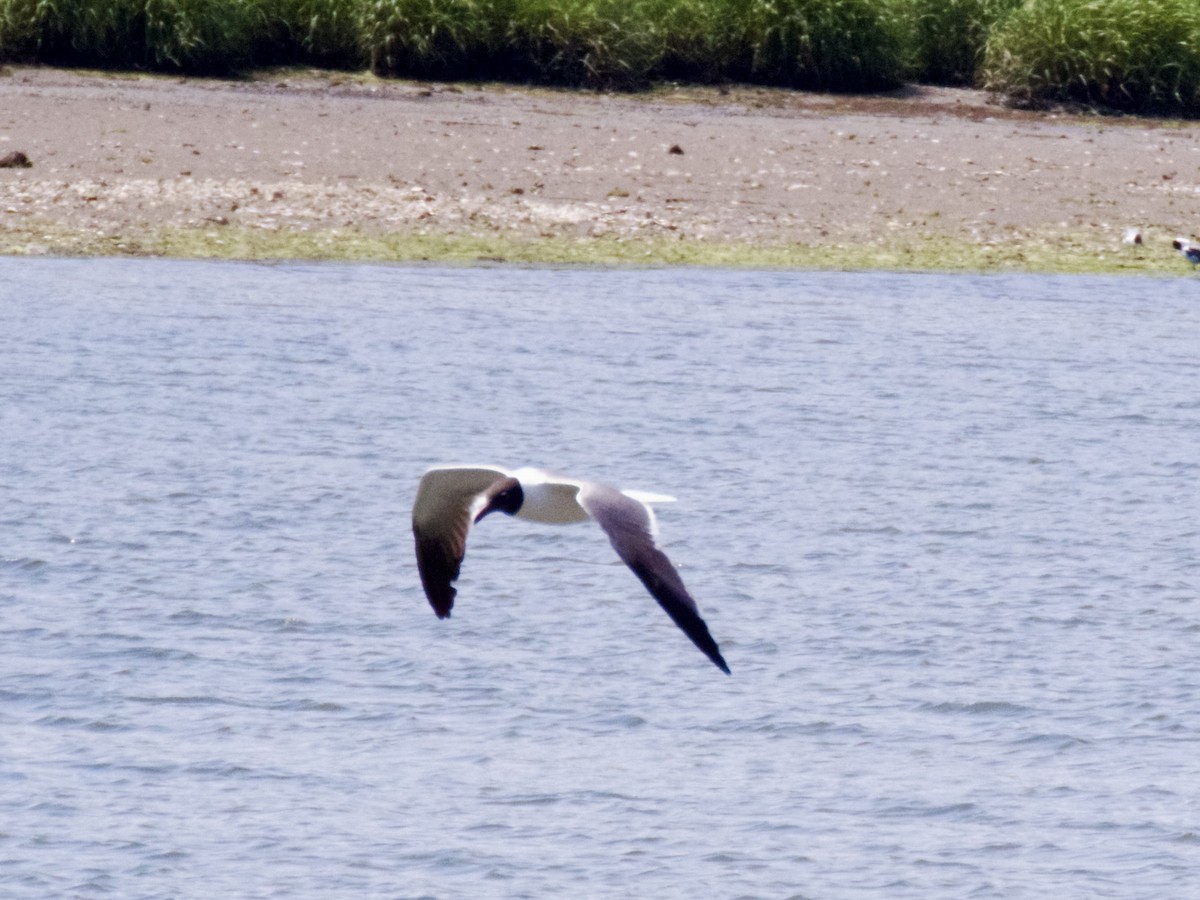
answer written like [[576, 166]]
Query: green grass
[[1141, 55], [324, 33], [834, 44], [202, 37], [948, 37], [827, 44], [157, 34]]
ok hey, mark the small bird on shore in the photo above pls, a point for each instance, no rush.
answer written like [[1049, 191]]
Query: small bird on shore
[[1133, 236], [450, 499], [1190, 251]]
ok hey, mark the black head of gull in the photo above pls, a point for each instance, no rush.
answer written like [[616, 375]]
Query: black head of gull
[[451, 498], [1190, 251], [508, 499]]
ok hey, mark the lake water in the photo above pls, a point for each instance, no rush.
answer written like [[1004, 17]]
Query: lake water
[[943, 527]]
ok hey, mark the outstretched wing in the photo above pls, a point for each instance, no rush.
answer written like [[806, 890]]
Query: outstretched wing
[[630, 527], [446, 500]]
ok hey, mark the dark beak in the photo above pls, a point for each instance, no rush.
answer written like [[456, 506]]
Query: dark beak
[[489, 507], [505, 496]]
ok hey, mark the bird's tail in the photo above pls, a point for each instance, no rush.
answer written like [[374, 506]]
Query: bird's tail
[[647, 497]]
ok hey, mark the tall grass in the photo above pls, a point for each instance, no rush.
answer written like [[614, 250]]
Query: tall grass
[[188, 35], [1136, 54], [441, 38], [836, 44], [1131, 54], [194, 36], [948, 37], [839, 44], [326, 33], [603, 42], [702, 40], [827, 44], [598, 42], [19, 30]]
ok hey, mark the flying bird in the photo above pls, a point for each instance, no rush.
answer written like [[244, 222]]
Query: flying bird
[[452, 498], [1190, 251]]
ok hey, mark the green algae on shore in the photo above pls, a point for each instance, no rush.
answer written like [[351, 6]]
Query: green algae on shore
[[1043, 254]]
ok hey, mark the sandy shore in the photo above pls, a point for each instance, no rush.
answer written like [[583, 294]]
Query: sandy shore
[[326, 165]]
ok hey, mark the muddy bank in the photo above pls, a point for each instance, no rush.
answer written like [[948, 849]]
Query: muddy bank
[[322, 165]]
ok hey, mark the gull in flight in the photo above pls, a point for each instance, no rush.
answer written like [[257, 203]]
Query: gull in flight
[[452, 498]]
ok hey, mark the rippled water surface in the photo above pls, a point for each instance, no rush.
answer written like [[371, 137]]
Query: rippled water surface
[[944, 528]]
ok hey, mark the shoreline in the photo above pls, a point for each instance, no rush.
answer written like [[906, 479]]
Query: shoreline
[[304, 164]]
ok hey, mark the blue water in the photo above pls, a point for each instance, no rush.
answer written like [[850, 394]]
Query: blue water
[[943, 527]]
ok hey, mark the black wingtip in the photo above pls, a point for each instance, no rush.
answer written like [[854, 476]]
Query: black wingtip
[[441, 598], [665, 586], [717, 659], [700, 636]]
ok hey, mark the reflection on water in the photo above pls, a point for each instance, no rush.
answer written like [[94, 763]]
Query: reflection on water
[[943, 528]]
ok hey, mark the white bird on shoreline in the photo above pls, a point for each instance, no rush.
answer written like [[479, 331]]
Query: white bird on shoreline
[[452, 498], [1190, 251]]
